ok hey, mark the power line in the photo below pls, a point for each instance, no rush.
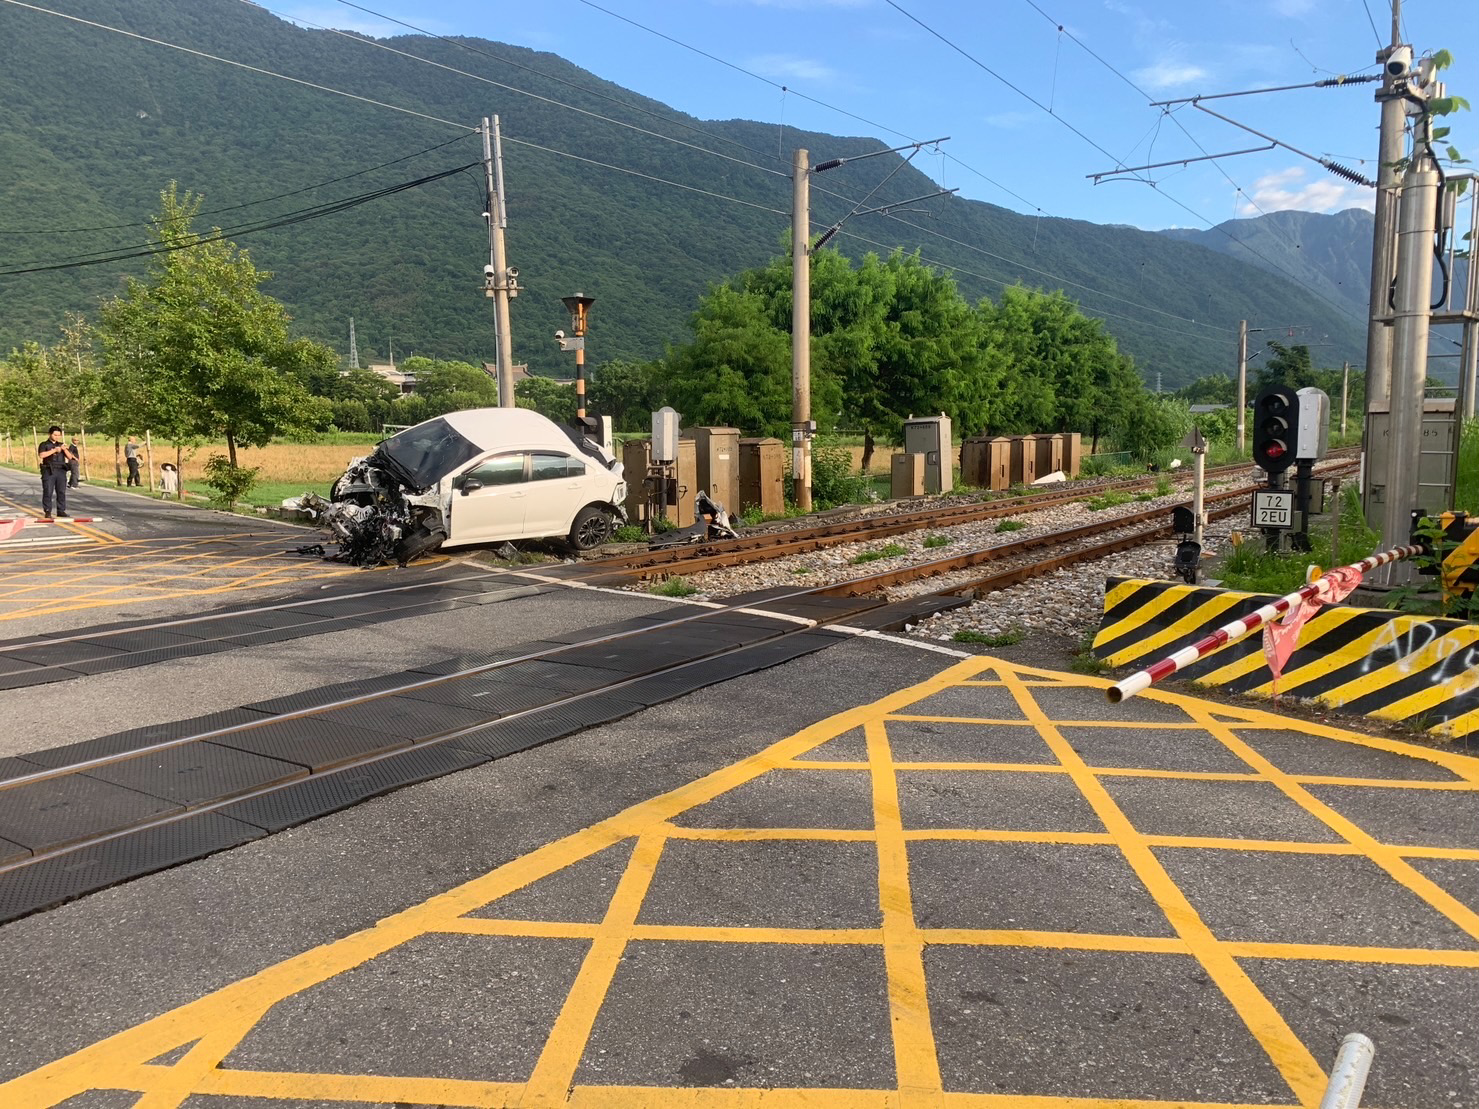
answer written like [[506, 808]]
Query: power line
[[119, 254], [793, 92], [1004, 284], [247, 203], [238, 65], [1119, 162], [461, 45], [645, 176], [544, 99]]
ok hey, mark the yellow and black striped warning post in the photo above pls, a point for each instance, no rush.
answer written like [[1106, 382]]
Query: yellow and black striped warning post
[[1419, 670]]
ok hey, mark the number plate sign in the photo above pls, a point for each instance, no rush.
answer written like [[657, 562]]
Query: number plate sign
[[1273, 508]]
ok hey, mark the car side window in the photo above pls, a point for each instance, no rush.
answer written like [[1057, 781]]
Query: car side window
[[504, 469], [549, 466]]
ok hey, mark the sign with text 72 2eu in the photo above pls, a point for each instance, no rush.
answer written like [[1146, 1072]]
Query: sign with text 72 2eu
[[1273, 508]]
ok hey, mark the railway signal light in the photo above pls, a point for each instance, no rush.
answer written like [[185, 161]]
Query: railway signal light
[[1275, 416]]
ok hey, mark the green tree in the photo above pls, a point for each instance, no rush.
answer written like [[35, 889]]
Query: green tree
[[548, 397], [56, 384], [625, 391], [448, 386], [212, 345]]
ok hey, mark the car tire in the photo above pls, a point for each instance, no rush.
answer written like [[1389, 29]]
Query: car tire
[[591, 528], [420, 542]]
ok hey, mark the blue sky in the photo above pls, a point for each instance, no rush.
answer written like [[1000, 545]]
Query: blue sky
[[869, 58]]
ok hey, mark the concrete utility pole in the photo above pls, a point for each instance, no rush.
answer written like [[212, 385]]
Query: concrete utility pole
[[1418, 216], [801, 328], [497, 276], [1383, 242], [1242, 386]]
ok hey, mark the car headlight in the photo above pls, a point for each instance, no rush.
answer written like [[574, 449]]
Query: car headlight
[[621, 492]]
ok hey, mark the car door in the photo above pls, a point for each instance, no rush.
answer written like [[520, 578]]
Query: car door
[[558, 489], [490, 500]]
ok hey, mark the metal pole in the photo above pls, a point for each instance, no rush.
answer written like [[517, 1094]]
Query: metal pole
[[1389, 152], [149, 458], [580, 364], [1198, 503], [801, 328], [502, 289], [1242, 386], [1345, 392], [1348, 1075], [1418, 215]]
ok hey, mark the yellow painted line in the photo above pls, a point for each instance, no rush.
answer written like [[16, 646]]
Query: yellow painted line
[[1158, 602], [753, 835], [1393, 956], [995, 835], [1466, 724], [1383, 856], [1263, 1019], [721, 1097], [102, 1065], [1385, 783], [555, 1070], [686, 933], [1210, 612], [1173, 775], [529, 929], [376, 1089], [1067, 941], [1122, 592], [1220, 843], [915, 1058]]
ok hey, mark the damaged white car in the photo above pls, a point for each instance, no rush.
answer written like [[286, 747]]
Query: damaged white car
[[484, 475]]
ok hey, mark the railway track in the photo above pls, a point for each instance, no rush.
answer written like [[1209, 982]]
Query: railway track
[[623, 570], [791, 541]]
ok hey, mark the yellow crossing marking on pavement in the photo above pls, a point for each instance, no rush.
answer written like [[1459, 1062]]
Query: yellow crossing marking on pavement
[[212, 1028]]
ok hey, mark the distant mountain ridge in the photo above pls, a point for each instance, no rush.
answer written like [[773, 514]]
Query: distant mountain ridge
[[1330, 254], [94, 153]]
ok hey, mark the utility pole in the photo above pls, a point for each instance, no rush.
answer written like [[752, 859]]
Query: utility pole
[[801, 328], [1394, 60], [1418, 216], [497, 277], [1242, 386]]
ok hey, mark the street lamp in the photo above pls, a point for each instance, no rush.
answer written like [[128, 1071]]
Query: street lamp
[[578, 306]]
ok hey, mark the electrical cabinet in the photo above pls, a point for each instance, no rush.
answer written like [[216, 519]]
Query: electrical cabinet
[[930, 436]]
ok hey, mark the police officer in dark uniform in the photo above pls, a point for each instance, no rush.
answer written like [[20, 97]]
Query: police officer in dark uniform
[[56, 463]]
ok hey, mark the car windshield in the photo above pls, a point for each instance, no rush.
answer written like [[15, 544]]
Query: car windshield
[[427, 452]]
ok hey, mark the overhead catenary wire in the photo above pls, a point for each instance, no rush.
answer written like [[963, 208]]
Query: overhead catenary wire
[[249, 203], [1185, 207], [238, 65], [115, 255], [216, 235]]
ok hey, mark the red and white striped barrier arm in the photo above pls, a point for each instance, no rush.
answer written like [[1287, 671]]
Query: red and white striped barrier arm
[[1231, 633]]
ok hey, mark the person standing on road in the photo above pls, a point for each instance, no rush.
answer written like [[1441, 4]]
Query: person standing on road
[[131, 456], [74, 463], [55, 465]]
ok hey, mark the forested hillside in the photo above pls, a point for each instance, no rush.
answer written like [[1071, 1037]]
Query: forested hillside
[[93, 125]]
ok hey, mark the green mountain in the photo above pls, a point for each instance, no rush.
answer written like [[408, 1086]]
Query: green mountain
[[93, 124], [1330, 255]]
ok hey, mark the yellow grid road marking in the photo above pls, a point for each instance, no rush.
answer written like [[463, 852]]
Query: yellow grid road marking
[[214, 1025]]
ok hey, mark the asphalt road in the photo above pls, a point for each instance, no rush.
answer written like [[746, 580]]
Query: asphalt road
[[873, 876]]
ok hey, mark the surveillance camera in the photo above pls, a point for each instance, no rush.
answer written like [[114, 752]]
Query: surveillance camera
[[512, 272], [487, 215], [559, 334], [489, 272], [1399, 61]]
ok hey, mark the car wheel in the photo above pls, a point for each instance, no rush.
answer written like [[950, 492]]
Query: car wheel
[[420, 542], [591, 528]]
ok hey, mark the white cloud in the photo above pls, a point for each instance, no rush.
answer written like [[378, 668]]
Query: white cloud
[[791, 67], [1291, 189], [1169, 75]]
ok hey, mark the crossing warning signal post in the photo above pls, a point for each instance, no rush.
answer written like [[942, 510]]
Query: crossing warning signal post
[[1275, 415]]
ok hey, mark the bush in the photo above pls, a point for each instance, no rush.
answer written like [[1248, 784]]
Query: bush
[[1010, 525], [231, 483], [832, 479], [673, 587]]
